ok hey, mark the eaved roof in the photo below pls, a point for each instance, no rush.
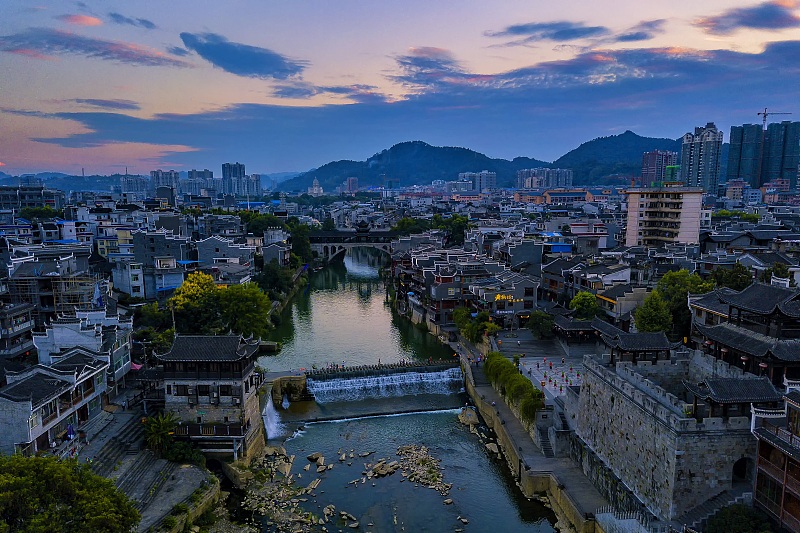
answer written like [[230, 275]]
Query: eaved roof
[[752, 343], [735, 390], [762, 299], [210, 348]]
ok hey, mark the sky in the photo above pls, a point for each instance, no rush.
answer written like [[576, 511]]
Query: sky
[[288, 85]]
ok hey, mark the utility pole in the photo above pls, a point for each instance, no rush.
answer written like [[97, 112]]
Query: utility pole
[[764, 114]]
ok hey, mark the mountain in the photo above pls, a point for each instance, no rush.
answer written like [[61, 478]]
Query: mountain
[[412, 163], [616, 155]]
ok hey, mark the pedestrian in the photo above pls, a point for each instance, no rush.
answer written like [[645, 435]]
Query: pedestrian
[[518, 344]]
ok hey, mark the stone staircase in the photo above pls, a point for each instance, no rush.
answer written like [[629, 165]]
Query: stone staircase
[[153, 488], [129, 438], [697, 517], [544, 440]]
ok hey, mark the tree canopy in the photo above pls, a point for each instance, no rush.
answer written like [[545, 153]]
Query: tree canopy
[[779, 270], [674, 288], [48, 495], [653, 314], [585, 306], [540, 324], [45, 212], [737, 278]]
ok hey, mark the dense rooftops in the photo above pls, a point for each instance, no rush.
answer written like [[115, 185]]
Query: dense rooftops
[[210, 348]]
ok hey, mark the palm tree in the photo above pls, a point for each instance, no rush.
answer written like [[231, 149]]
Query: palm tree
[[159, 430]]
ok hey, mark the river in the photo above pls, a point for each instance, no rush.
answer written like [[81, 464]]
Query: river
[[342, 317]]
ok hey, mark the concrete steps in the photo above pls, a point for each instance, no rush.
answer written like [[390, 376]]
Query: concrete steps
[[697, 517], [544, 440], [130, 479], [154, 487], [128, 438]]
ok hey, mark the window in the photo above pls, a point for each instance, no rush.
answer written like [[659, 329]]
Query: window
[[33, 422], [528, 291], [199, 419], [99, 379], [169, 389], [181, 390], [136, 289], [202, 390], [451, 291]]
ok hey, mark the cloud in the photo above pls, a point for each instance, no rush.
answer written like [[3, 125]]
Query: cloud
[[644, 31], [81, 20], [775, 15], [503, 114], [118, 18], [50, 41], [118, 104], [178, 51], [242, 59], [551, 31], [303, 90]]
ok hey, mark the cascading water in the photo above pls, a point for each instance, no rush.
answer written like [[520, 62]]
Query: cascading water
[[448, 381], [272, 420], [285, 403]]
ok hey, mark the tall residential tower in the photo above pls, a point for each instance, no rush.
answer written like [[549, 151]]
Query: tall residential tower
[[700, 157]]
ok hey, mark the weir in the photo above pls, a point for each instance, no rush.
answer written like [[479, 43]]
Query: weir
[[381, 382]]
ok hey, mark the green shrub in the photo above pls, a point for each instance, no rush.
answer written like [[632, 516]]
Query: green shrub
[[170, 522], [528, 409], [207, 519], [180, 508], [183, 452], [507, 373], [519, 387]]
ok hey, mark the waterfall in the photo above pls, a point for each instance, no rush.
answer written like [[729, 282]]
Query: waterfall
[[334, 389], [272, 420], [285, 403]]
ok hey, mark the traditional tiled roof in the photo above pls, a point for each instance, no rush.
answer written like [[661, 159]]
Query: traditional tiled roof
[[640, 342], [735, 390], [793, 396], [569, 324], [209, 348], [605, 328], [770, 437], [710, 301], [759, 298], [752, 343], [37, 388]]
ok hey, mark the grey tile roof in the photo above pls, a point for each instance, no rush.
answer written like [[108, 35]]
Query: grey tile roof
[[37, 388], [569, 324], [735, 390], [752, 343], [209, 348], [639, 342], [759, 298]]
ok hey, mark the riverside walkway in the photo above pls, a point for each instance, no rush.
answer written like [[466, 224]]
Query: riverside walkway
[[580, 489]]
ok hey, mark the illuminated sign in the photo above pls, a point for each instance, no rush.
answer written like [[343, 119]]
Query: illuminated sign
[[503, 297]]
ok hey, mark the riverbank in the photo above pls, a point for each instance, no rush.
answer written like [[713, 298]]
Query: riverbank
[[571, 494]]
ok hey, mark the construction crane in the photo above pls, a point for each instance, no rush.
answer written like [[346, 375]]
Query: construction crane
[[766, 113]]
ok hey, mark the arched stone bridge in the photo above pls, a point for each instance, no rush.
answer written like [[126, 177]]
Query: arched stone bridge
[[328, 244]]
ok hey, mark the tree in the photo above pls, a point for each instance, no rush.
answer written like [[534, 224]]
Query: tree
[[45, 212], [196, 305], [674, 288], [411, 225], [585, 306], [540, 324], [301, 244], [245, 310], [329, 225], [159, 430], [48, 495], [274, 280], [653, 314], [779, 270], [736, 278]]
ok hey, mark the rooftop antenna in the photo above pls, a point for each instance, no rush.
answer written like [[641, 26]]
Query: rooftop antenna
[[764, 114]]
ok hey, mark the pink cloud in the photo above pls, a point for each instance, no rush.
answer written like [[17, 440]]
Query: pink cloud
[[81, 20]]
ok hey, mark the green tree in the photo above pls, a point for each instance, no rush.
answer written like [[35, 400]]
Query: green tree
[[329, 225], [585, 306], [274, 280], [779, 270], [462, 317], [159, 431], [245, 310], [737, 278], [411, 225], [674, 288], [540, 324], [301, 246], [196, 305], [42, 213], [47, 495], [653, 314]]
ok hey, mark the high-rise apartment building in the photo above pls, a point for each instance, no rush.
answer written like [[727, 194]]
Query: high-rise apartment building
[[204, 174], [480, 180], [663, 215], [352, 184], [232, 176], [758, 156], [164, 178], [700, 157], [654, 165], [533, 178]]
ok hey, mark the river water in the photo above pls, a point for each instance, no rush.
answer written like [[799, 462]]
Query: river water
[[343, 318]]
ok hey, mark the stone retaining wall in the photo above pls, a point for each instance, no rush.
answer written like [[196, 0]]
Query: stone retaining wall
[[209, 499], [530, 482]]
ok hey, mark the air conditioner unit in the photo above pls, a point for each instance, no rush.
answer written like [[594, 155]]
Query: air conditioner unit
[[237, 401], [190, 391], [213, 394], [191, 401]]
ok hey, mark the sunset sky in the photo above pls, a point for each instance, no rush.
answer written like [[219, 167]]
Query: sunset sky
[[290, 85]]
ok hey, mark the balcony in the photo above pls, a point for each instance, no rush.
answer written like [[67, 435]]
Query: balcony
[[775, 471], [782, 433], [23, 326], [211, 430], [16, 349]]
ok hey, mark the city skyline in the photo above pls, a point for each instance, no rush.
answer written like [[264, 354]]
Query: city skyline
[[291, 86]]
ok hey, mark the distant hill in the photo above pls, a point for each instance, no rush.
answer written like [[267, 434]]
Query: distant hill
[[412, 163], [616, 155]]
